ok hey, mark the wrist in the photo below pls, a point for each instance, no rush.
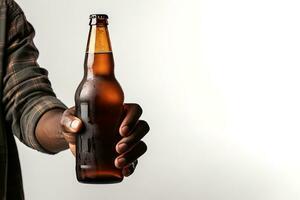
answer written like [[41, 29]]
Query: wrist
[[49, 131]]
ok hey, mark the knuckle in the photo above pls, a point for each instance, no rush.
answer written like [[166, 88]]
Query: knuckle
[[138, 108], [126, 106], [66, 119], [143, 147], [144, 125], [71, 111], [64, 122]]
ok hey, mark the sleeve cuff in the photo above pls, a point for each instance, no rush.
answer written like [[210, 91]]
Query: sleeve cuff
[[39, 107]]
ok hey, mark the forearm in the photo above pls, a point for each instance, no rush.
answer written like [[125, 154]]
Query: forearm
[[49, 133]]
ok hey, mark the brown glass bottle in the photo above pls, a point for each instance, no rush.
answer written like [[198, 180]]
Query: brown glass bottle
[[99, 104]]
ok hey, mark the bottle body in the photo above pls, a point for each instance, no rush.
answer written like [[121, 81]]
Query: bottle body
[[99, 104]]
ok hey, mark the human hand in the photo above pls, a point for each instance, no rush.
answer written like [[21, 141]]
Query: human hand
[[132, 130]]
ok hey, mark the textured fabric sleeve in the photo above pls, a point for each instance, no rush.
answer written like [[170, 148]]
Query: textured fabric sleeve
[[27, 91]]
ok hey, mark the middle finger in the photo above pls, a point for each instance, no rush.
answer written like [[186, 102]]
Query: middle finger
[[139, 131]]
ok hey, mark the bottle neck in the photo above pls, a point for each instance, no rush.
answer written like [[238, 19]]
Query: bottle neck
[[99, 41], [99, 58]]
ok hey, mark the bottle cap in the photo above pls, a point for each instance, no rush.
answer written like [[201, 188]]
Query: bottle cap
[[98, 16]]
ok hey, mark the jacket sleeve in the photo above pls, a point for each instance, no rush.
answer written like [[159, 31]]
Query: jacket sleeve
[[27, 91]]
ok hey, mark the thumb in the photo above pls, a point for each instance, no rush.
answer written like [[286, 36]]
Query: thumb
[[70, 123]]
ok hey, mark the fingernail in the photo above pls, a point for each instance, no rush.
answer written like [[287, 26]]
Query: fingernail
[[121, 162], [122, 147], [125, 130], [75, 123]]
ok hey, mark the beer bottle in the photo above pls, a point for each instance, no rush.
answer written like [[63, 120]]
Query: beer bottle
[[99, 104]]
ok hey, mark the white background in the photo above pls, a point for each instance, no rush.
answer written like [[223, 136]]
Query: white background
[[219, 85]]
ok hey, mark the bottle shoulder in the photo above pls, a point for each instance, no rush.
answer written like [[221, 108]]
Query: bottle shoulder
[[100, 88]]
